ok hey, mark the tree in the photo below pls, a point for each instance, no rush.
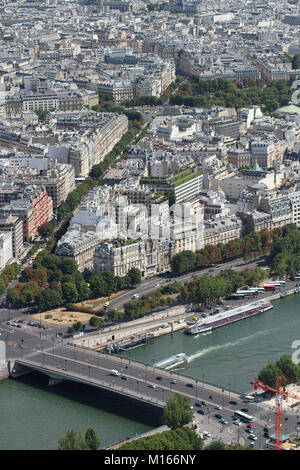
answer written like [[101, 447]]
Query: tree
[[45, 230], [48, 298], [73, 440], [69, 292], [269, 374], [296, 61], [217, 445], [177, 412], [69, 266], [92, 441], [184, 261], [134, 276], [95, 322]]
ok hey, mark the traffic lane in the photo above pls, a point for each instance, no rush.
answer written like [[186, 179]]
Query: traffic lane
[[147, 286], [70, 369], [135, 369], [150, 375]]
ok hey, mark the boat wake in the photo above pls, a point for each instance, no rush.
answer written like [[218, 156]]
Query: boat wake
[[245, 339]]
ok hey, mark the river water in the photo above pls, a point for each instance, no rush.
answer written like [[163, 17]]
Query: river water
[[34, 416]]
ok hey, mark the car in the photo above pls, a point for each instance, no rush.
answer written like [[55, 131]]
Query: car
[[245, 410], [233, 402], [159, 377], [266, 429], [248, 431], [190, 385], [173, 381], [236, 422], [124, 377], [198, 404], [157, 285], [252, 437], [223, 421], [152, 386], [252, 444], [64, 367], [191, 407], [266, 434], [204, 403], [249, 426], [201, 412], [218, 407], [218, 416]]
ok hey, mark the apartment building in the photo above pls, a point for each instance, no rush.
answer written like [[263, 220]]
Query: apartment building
[[40, 101], [79, 245], [34, 209], [222, 230], [6, 251], [119, 259], [14, 225], [118, 91]]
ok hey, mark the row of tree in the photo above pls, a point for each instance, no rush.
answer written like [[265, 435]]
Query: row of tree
[[254, 244], [8, 274], [209, 289], [54, 281], [158, 298]]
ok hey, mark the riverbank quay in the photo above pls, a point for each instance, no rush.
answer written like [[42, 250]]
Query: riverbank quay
[[136, 332]]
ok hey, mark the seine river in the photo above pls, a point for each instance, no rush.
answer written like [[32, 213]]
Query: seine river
[[34, 416]]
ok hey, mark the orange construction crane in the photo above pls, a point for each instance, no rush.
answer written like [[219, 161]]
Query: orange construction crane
[[280, 394]]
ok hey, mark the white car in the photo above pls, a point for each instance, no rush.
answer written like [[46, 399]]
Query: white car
[[135, 296], [218, 407], [223, 421], [237, 422], [152, 386]]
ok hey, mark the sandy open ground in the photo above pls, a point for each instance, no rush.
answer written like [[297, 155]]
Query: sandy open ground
[[294, 391], [60, 316]]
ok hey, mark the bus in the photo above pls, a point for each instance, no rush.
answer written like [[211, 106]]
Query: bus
[[243, 416], [236, 296], [246, 292], [275, 283], [269, 288]]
